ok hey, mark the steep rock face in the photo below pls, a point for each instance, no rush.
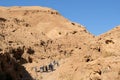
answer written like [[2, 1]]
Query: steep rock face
[[43, 29], [100, 61], [35, 36]]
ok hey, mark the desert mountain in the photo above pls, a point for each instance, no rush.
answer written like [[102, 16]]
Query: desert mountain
[[31, 37]]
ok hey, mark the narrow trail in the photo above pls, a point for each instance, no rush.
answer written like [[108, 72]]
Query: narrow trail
[[47, 76]]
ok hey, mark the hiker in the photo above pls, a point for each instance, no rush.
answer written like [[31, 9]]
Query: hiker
[[51, 67], [46, 68], [55, 63], [42, 69]]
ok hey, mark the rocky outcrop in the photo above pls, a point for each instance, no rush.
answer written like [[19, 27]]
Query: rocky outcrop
[[11, 69], [33, 37]]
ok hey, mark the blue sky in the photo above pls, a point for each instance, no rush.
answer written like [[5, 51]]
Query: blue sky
[[98, 16]]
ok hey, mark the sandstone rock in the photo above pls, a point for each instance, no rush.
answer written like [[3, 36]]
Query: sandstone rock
[[37, 36]]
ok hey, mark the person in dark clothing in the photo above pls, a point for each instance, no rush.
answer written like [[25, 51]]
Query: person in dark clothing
[[55, 63], [51, 67], [46, 68], [42, 69]]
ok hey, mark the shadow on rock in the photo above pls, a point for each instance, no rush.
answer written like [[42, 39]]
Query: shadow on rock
[[10, 69]]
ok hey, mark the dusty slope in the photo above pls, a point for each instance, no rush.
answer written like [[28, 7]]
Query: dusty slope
[[109, 41], [43, 29], [42, 33], [104, 67], [35, 36]]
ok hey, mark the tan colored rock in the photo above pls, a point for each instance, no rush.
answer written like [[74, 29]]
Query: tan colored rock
[[36, 36]]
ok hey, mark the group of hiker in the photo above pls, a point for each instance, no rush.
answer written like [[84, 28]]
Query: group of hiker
[[48, 67]]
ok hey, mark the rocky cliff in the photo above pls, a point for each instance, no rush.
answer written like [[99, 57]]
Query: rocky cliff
[[31, 37]]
